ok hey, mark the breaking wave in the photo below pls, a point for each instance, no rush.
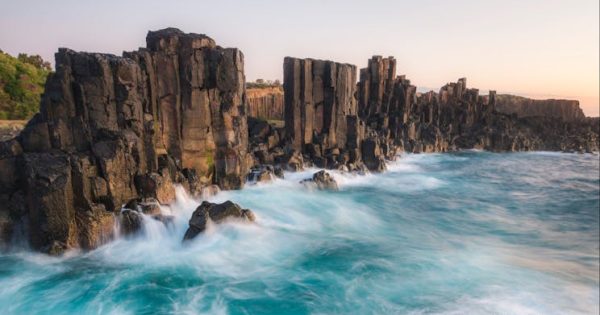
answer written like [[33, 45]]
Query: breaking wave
[[463, 233]]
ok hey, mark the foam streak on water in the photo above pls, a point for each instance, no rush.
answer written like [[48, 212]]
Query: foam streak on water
[[464, 233]]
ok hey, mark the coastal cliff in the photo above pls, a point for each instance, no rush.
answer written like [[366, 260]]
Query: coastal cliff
[[112, 129], [525, 107], [116, 134], [265, 102]]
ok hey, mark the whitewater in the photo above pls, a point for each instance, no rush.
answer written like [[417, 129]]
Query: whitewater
[[460, 233]]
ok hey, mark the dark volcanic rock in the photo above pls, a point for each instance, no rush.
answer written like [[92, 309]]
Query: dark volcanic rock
[[319, 102], [216, 213], [131, 221], [112, 129], [322, 180]]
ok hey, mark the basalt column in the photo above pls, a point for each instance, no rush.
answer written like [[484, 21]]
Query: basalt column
[[198, 103], [112, 129], [320, 105]]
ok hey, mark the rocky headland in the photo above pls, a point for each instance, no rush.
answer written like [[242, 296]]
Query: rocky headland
[[116, 134]]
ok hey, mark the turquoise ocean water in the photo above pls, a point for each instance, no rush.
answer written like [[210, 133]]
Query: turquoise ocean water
[[461, 233]]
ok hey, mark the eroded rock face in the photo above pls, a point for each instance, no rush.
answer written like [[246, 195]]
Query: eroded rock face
[[216, 213], [457, 118], [112, 129], [319, 95], [320, 110], [265, 103]]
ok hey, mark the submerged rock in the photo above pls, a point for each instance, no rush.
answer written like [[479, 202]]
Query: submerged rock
[[322, 180], [216, 213]]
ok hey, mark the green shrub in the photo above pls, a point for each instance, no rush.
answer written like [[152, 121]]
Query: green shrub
[[22, 82]]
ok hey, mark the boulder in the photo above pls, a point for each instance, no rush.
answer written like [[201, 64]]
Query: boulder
[[216, 213], [322, 180]]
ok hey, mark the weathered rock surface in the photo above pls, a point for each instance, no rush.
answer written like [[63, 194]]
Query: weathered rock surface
[[322, 180], [265, 103], [216, 213], [112, 129], [389, 116], [568, 110], [320, 111]]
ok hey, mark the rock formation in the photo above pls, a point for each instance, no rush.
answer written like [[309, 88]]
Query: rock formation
[[320, 111], [568, 110], [112, 129], [116, 131], [217, 213], [265, 103], [321, 180]]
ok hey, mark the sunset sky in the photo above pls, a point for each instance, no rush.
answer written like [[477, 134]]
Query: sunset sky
[[539, 49]]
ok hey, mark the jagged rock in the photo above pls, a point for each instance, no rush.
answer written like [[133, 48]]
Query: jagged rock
[[258, 175], [130, 221], [372, 156], [111, 129], [292, 161], [96, 227], [153, 185], [322, 180], [319, 98], [149, 206], [216, 213], [278, 172]]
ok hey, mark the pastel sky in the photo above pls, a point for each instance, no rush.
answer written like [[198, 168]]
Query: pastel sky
[[534, 48]]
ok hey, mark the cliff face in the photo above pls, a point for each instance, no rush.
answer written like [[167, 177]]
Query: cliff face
[[111, 129], [265, 103], [568, 110], [391, 116], [319, 100], [124, 130]]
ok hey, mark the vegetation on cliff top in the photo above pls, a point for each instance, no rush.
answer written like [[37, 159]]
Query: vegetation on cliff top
[[22, 81], [262, 84]]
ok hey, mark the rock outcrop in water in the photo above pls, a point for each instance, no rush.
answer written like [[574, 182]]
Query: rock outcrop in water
[[111, 129], [216, 213], [321, 180], [568, 110]]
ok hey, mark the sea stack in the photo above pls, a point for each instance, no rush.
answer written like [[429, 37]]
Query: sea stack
[[112, 128]]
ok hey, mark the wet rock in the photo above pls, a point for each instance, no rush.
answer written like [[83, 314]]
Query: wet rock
[[216, 213], [96, 227], [148, 206], [130, 221], [167, 220], [322, 180], [153, 185], [372, 155]]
